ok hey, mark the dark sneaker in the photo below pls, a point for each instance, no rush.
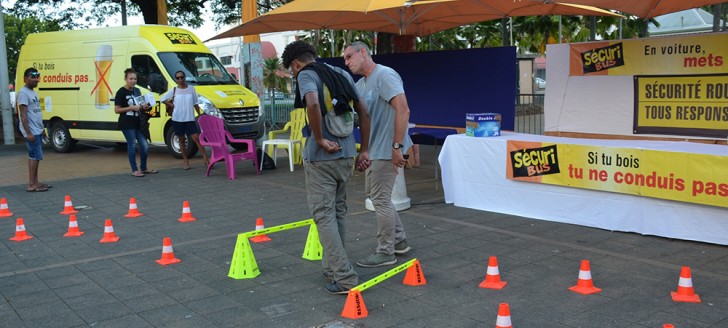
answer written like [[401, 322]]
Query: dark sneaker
[[377, 260], [336, 289], [401, 247]]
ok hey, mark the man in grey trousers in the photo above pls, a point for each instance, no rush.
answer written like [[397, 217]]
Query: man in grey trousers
[[328, 160], [383, 91]]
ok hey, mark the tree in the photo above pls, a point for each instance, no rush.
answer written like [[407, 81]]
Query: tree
[[16, 30], [272, 76]]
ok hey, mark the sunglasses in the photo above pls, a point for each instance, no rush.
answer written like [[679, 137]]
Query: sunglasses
[[179, 77], [33, 74]]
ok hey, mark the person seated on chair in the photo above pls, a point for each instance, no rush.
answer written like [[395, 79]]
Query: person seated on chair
[[328, 160]]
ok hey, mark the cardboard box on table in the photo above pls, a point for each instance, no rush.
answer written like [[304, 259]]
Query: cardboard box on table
[[482, 124]]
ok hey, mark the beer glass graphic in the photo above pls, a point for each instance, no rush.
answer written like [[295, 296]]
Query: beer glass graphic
[[103, 65]]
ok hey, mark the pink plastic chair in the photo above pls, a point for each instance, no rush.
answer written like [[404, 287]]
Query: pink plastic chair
[[214, 135]]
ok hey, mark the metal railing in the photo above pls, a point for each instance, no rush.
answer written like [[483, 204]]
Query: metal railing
[[277, 110], [529, 113]]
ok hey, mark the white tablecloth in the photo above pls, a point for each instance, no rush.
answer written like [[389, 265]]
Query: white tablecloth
[[474, 176]]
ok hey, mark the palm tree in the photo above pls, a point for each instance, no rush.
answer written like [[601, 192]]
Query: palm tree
[[272, 77]]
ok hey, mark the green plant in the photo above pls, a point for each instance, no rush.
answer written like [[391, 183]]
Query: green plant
[[274, 77]]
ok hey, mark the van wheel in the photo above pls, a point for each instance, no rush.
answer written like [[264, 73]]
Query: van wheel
[[173, 145], [61, 140]]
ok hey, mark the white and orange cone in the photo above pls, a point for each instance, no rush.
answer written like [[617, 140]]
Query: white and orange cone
[[167, 253], [685, 291], [259, 238], [585, 285], [73, 230], [68, 206], [504, 317], [186, 213], [109, 235], [492, 276], [20, 233], [4, 210], [133, 210]]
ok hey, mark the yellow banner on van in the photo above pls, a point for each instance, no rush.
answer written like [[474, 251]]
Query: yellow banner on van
[[693, 105], [695, 54], [679, 176]]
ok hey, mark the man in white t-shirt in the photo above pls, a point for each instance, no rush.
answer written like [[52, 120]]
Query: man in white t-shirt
[[183, 99]]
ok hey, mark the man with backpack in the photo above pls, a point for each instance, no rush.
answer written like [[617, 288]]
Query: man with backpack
[[329, 153]]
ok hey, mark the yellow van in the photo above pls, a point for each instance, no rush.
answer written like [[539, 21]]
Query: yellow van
[[81, 70]]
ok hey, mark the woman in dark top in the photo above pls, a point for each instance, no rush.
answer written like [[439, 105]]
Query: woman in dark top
[[127, 105]]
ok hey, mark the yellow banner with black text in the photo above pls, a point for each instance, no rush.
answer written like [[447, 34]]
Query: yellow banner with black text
[[678, 176]]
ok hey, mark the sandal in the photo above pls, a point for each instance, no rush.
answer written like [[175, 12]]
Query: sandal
[[137, 174], [39, 189], [150, 172]]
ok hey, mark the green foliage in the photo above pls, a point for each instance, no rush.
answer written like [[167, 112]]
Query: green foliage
[[16, 30], [272, 80]]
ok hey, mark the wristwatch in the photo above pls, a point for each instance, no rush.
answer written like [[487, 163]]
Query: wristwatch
[[396, 145]]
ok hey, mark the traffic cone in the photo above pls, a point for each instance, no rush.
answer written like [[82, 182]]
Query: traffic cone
[[259, 238], [167, 253], [73, 227], [133, 211], [667, 325], [354, 308], [504, 317], [685, 292], [414, 275], [68, 206], [4, 210], [492, 276], [109, 235], [585, 285], [186, 213], [20, 233]]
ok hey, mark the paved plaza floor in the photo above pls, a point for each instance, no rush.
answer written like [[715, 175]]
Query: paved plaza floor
[[51, 281]]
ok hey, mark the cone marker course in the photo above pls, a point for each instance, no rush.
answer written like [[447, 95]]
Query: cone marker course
[[73, 230], [68, 206], [4, 210], [186, 213], [492, 276], [20, 233], [685, 291], [109, 235], [259, 238], [504, 317], [585, 285], [167, 253], [133, 210]]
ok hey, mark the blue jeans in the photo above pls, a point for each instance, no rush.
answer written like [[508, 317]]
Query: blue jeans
[[131, 135]]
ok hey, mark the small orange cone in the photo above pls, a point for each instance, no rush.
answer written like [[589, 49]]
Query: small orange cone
[[4, 210], [20, 233], [186, 213], [414, 276], [167, 253], [133, 211], [585, 285], [73, 227], [685, 292], [68, 206], [667, 325], [259, 238], [492, 276], [504, 317], [354, 307], [109, 235]]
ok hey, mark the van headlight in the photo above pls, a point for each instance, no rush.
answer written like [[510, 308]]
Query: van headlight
[[209, 108]]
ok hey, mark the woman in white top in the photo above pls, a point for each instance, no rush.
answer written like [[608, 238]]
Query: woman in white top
[[183, 99]]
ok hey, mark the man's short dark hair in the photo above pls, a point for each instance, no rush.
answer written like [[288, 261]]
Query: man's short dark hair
[[29, 70], [300, 50]]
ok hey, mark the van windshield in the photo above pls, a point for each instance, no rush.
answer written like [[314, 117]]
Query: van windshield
[[200, 68]]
